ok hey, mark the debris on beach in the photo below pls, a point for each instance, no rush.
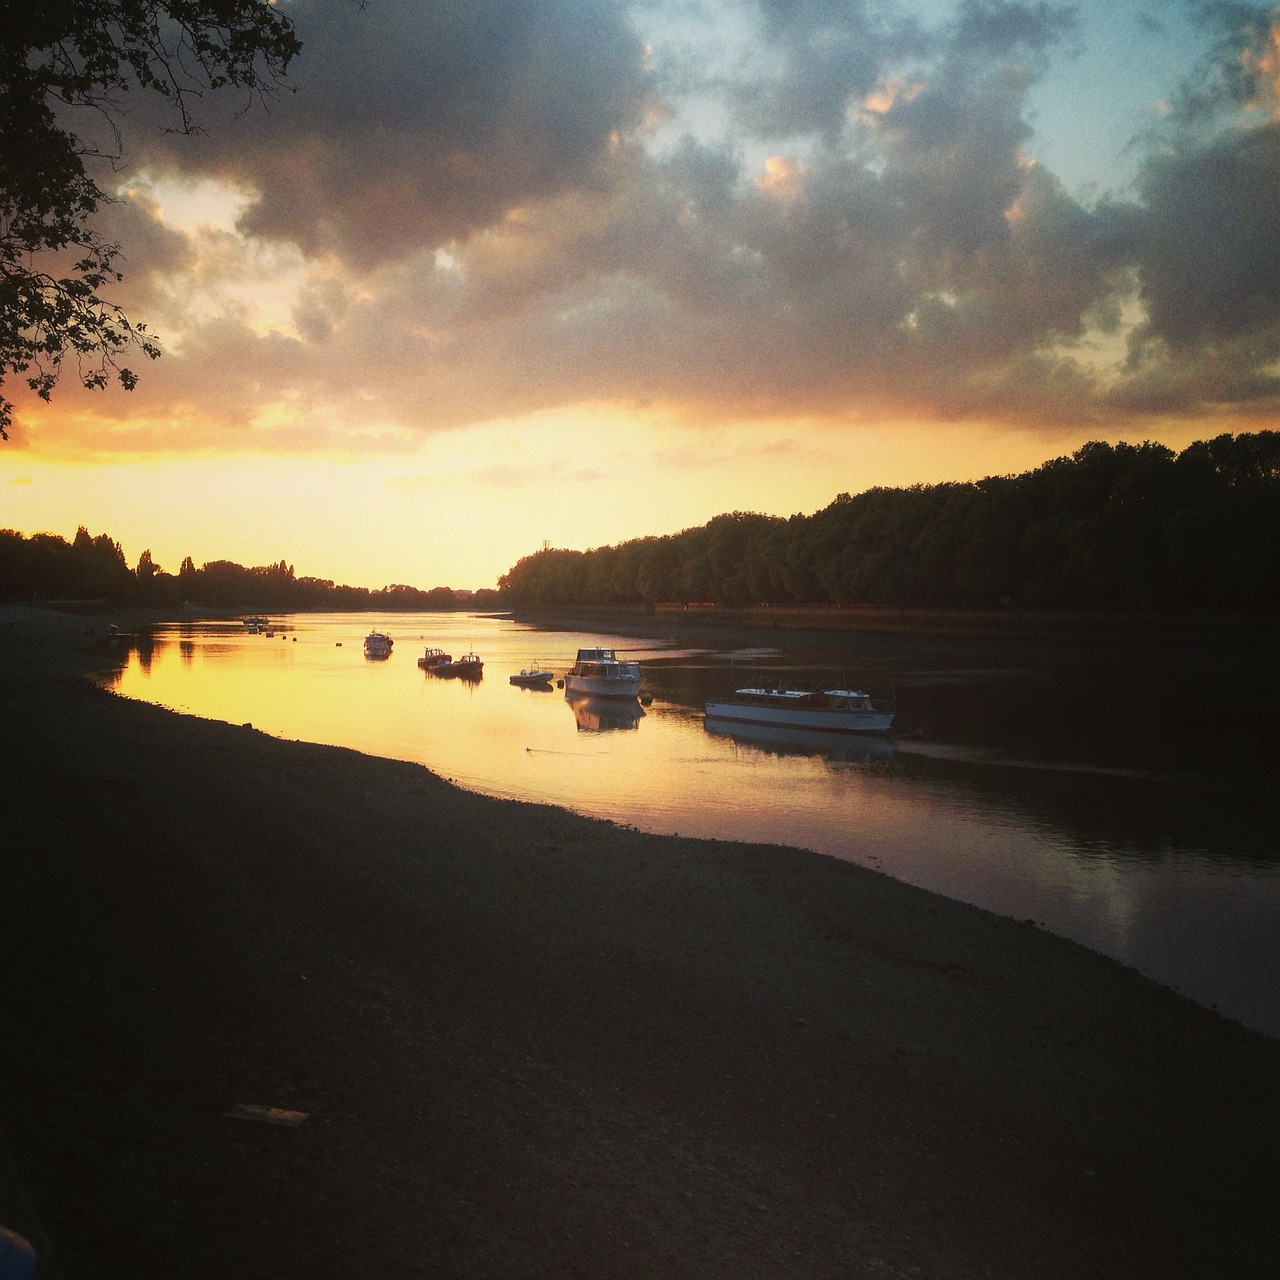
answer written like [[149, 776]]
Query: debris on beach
[[266, 1115]]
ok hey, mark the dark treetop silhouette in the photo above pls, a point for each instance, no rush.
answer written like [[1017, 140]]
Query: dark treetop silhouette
[[76, 54], [1123, 527]]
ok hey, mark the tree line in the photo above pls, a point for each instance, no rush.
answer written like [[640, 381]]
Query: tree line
[[46, 567], [1112, 527]]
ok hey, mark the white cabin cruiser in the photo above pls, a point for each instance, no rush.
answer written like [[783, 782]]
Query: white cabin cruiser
[[832, 710], [377, 644], [599, 673]]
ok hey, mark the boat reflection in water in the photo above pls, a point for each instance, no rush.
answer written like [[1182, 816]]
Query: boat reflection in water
[[782, 741], [602, 714]]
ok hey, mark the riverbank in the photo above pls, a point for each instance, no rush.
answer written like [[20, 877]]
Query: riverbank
[[527, 1043], [834, 625]]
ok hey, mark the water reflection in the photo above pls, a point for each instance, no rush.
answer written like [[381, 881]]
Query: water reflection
[[1014, 792], [601, 715], [780, 741], [145, 646]]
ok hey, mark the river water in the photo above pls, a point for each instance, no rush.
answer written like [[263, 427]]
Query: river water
[[1121, 799]]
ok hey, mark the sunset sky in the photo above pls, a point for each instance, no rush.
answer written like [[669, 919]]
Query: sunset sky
[[489, 275]]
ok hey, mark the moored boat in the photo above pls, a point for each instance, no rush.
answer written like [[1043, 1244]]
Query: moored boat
[[599, 673], [533, 677], [469, 666], [377, 644], [434, 658], [256, 623], [827, 710]]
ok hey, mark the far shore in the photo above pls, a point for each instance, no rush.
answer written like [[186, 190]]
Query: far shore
[[499, 1039], [839, 625]]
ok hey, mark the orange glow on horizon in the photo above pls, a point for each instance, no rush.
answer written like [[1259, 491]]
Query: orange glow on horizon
[[459, 510]]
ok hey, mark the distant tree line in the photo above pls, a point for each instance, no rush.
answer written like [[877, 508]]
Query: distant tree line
[[1113, 527], [46, 567]]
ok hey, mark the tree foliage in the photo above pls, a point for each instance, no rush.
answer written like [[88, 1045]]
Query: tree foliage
[[1113, 527], [45, 568], [58, 60]]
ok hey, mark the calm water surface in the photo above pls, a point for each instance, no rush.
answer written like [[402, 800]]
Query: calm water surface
[[1122, 801]]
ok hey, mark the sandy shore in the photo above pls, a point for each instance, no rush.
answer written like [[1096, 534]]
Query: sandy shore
[[528, 1044]]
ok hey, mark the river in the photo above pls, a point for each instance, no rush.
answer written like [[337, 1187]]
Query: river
[[1121, 798]]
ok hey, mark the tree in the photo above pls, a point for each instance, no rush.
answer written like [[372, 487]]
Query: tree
[[1111, 527], [65, 54], [147, 567]]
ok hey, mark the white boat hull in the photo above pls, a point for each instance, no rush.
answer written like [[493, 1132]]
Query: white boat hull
[[816, 718], [602, 687]]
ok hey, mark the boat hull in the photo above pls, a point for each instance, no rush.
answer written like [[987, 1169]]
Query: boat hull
[[817, 719], [602, 686], [533, 679]]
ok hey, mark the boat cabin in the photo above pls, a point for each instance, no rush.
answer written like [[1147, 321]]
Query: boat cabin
[[604, 664], [597, 655], [825, 699]]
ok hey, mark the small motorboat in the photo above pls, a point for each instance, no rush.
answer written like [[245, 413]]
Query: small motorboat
[[469, 667], [434, 658], [377, 644], [533, 677]]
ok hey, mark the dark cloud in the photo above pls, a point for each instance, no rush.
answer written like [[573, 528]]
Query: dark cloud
[[1008, 29], [148, 248], [831, 54], [899, 253], [320, 307], [1210, 252], [407, 124], [953, 156]]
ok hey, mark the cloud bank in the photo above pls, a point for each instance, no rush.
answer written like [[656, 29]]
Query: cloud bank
[[709, 209]]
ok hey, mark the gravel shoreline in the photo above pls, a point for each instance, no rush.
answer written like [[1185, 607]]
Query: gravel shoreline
[[527, 1043]]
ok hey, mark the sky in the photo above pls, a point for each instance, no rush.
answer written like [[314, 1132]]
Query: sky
[[486, 277]]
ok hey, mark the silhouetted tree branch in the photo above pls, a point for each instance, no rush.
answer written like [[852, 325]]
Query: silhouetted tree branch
[[88, 53]]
